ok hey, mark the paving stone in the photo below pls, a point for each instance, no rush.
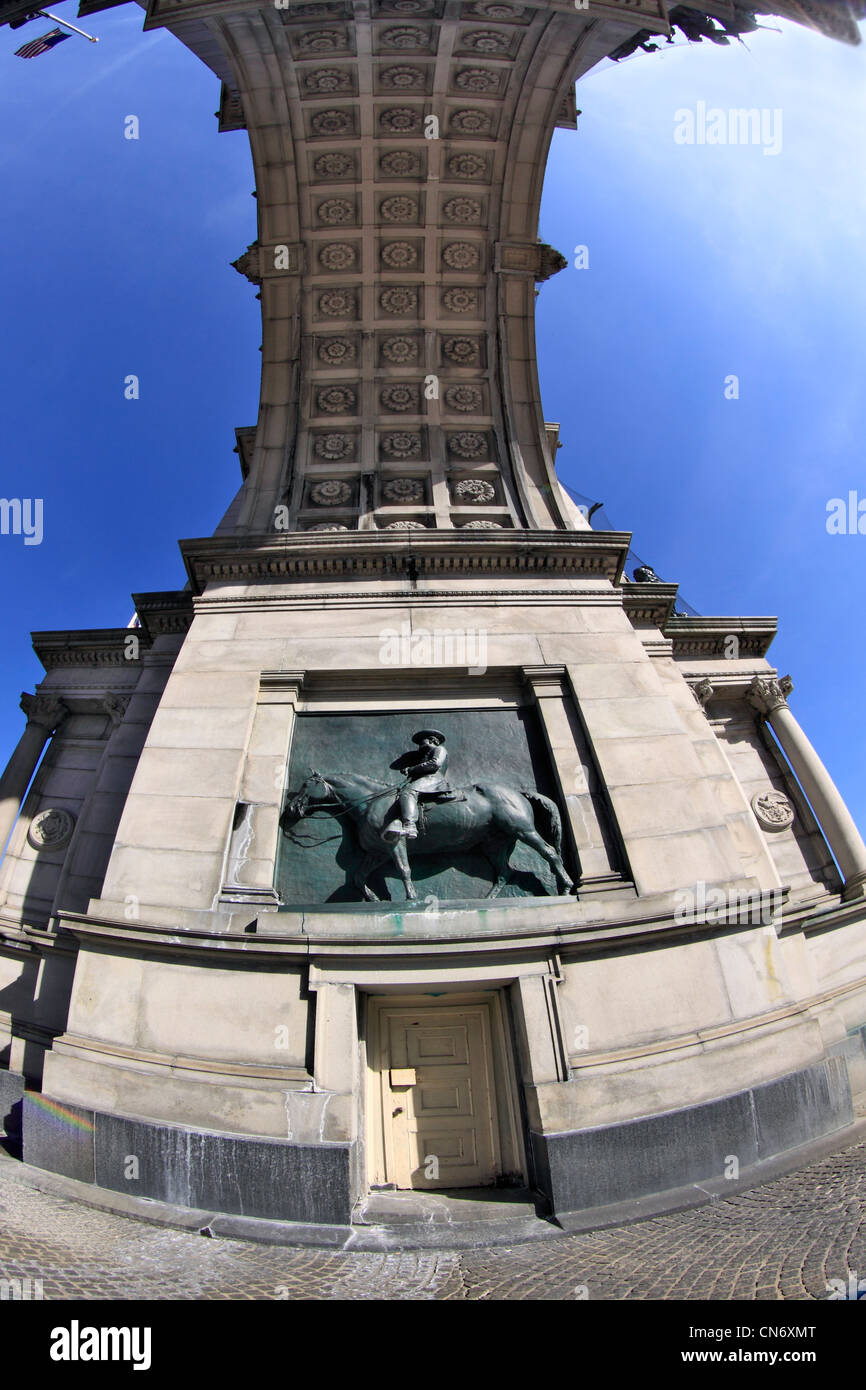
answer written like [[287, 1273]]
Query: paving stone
[[781, 1241]]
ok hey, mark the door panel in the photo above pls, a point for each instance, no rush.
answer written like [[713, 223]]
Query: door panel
[[440, 1128]]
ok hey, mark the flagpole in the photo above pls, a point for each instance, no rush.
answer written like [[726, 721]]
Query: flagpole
[[45, 14]]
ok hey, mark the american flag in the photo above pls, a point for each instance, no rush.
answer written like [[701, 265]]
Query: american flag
[[41, 45]]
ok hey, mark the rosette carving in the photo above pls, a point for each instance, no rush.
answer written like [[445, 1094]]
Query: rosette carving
[[468, 444], [399, 255], [333, 446], [399, 398], [330, 492], [337, 400], [475, 490], [460, 300], [403, 490], [399, 299], [464, 398], [462, 255], [401, 445], [339, 255]]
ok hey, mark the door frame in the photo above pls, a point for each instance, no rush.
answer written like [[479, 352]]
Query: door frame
[[505, 1103]]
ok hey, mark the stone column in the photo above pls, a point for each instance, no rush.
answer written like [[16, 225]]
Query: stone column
[[769, 697], [44, 716]]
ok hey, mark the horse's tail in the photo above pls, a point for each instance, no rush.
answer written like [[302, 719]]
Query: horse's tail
[[551, 830]]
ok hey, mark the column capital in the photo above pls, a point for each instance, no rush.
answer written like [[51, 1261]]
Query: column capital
[[767, 694], [45, 710]]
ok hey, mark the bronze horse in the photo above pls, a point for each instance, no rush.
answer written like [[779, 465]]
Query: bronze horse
[[491, 818]]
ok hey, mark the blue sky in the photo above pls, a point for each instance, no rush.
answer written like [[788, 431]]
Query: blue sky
[[705, 261]]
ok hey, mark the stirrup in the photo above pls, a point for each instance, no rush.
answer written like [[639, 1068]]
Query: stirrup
[[410, 831]]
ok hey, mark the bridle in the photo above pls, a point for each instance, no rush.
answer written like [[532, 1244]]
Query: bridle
[[345, 807]]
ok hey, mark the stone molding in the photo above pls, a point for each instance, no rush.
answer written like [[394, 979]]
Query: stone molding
[[89, 647], [164, 612], [708, 637], [649, 603], [231, 109], [377, 554]]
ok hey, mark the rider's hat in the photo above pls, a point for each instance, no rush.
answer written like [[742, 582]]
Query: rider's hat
[[427, 733]]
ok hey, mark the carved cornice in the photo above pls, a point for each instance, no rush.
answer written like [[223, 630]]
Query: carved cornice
[[88, 647], [649, 603], [231, 109], [164, 612], [711, 637], [305, 555], [246, 438]]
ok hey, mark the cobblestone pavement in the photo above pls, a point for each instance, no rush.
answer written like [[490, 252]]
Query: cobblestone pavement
[[785, 1240]]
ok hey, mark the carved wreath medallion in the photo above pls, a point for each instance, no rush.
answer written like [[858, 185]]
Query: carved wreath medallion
[[51, 829], [773, 810]]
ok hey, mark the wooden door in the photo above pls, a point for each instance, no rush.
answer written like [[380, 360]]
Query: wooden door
[[439, 1098]]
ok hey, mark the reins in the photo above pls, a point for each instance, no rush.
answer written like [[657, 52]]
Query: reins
[[308, 842]]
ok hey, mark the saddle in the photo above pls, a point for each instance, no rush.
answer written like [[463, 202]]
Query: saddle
[[449, 794]]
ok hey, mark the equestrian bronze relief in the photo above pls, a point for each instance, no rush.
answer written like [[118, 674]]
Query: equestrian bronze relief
[[460, 838]]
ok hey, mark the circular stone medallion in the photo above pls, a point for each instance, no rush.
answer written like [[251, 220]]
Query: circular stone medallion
[[51, 829], [773, 810]]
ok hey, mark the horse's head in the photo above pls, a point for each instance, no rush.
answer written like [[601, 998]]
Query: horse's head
[[313, 792]]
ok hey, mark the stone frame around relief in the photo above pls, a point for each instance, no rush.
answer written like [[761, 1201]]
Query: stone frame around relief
[[341, 724]]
